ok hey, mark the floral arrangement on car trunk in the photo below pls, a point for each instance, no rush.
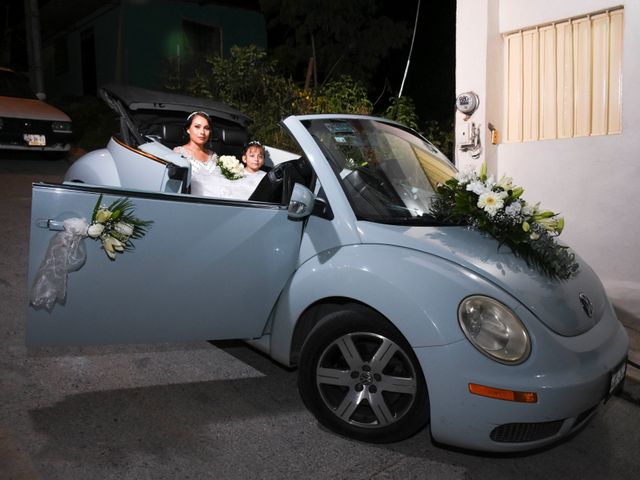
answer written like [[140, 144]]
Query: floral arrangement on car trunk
[[230, 167], [116, 226], [499, 209]]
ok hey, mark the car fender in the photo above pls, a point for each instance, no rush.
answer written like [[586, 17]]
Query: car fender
[[96, 168], [417, 292]]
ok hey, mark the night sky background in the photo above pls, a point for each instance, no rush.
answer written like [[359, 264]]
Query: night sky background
[[431, 77]]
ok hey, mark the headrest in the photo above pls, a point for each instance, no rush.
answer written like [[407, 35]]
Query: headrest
[[234, 136], [173, 134]]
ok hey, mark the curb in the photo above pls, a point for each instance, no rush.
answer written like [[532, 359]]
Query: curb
[[631, 324], [633, 365]]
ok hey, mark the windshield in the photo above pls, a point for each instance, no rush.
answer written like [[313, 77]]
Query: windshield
[[14, 85], [388, 173]]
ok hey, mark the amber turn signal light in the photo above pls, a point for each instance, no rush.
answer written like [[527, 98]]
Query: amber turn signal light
[[501, 394]]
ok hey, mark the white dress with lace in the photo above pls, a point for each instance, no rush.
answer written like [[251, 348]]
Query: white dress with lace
[[207, 179], [244, 187]]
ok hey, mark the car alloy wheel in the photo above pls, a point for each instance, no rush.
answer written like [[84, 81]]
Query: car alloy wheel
[[361, 379]]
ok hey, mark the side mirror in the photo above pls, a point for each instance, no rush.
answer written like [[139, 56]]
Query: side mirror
[[301, 203]]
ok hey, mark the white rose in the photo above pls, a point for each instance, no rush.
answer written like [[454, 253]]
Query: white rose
[[95, 230], [231, 167], [513, 209], [477, 186], [228, 161], [103, 215], [238, 170], [125, 229], [467, 176]]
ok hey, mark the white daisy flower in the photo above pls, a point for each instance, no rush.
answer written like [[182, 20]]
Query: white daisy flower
[[491, 201]]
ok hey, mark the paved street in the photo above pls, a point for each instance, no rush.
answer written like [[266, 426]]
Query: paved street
[[220, 411]]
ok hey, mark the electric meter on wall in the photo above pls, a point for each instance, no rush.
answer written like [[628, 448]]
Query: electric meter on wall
[[467, 102]]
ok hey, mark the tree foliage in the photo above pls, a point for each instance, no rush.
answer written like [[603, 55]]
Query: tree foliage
[[403, 110], [343, 95], [347, 38], [253, 83], [441, 135], [248, 81]]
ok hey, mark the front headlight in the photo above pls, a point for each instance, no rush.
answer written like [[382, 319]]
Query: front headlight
[[494, 329]]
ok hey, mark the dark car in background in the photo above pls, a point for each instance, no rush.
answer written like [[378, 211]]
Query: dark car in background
[[27, 122]]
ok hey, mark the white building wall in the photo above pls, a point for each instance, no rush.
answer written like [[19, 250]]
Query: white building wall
[[593, 181]]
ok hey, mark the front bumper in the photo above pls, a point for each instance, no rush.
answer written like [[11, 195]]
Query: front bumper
[[571, 380], [15, 134]]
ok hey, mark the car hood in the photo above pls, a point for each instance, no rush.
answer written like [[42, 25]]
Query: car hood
[[556, 303], [30, 108]]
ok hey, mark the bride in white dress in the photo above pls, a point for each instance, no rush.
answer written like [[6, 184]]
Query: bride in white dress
[[203, 160], [207, 178]]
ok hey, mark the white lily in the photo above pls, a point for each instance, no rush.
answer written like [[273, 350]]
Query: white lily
[[112, 245], [506, 183]]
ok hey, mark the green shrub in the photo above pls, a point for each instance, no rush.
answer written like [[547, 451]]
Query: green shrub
[[402, 110], [344, 95], [248, 81], [441, 135], [251, 82]]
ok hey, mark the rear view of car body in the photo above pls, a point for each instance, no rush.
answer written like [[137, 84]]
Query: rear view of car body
[[27, 123], [150, 167]]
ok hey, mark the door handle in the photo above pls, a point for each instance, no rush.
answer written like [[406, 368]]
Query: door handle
[[51, 224]]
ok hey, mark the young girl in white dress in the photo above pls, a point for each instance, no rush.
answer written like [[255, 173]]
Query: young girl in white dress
[[253, 159]]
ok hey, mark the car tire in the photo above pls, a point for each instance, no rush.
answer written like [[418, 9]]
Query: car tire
[[361, 379]]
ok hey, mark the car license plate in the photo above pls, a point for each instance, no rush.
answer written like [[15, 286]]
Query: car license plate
[[617, 376], [35, 140]]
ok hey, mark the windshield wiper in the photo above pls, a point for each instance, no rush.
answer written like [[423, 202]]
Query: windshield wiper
[[419, 221]]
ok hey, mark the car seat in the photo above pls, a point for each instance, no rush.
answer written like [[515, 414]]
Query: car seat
[[277, 185]]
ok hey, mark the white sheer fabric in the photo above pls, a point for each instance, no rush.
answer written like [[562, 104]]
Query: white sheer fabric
[[214, 184], [66, 253]]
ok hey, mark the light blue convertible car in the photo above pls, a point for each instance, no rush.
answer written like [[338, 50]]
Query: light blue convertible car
[[334, 265]]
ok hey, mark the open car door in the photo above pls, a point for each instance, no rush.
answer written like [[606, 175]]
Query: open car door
[[206, 269]]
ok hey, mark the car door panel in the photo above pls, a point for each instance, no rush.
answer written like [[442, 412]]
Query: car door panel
[[204, 270]]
